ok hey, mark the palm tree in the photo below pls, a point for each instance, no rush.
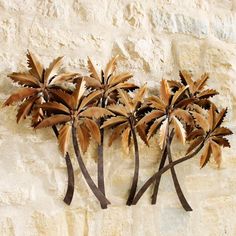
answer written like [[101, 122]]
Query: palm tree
[[168, 112], [107, 83], [187, 93], [37, 84], [127, 113], [75, 113], [211, 135]]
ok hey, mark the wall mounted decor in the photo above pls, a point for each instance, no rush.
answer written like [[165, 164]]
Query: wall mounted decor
[[38, 83], [108, 84], [82, 107]]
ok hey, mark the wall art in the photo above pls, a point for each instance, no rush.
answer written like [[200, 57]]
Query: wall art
[[79, 108]]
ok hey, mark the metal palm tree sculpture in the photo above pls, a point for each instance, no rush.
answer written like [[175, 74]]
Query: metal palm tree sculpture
[[204, 134], [75, 113], [37, 84], [181, 109], [107, 82], [125, 122], [168, 112]]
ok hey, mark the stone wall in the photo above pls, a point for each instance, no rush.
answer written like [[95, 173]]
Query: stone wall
[[155, 39]]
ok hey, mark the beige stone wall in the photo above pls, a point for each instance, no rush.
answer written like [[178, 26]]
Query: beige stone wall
[[155, 40]]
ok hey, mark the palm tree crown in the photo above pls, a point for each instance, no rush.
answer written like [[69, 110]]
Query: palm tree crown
[[37, 83], [196, 89], [107, 82], [127, 116], [167, 109], [74, 109], [209, 130]]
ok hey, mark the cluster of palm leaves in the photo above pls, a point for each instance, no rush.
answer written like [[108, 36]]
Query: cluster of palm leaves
[[82, 107]]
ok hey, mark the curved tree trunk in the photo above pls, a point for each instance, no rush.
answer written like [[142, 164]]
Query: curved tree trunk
[[158, 179], [98, 194], [100, 167], [162, 163], [136, 167], [70, 172], [149, 182], [70, 187], [167, 152], [178, 189]]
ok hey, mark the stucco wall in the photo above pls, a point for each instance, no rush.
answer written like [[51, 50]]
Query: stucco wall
[[155, 40]]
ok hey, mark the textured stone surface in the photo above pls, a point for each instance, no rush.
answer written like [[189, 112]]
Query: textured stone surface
[[155, 39]]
